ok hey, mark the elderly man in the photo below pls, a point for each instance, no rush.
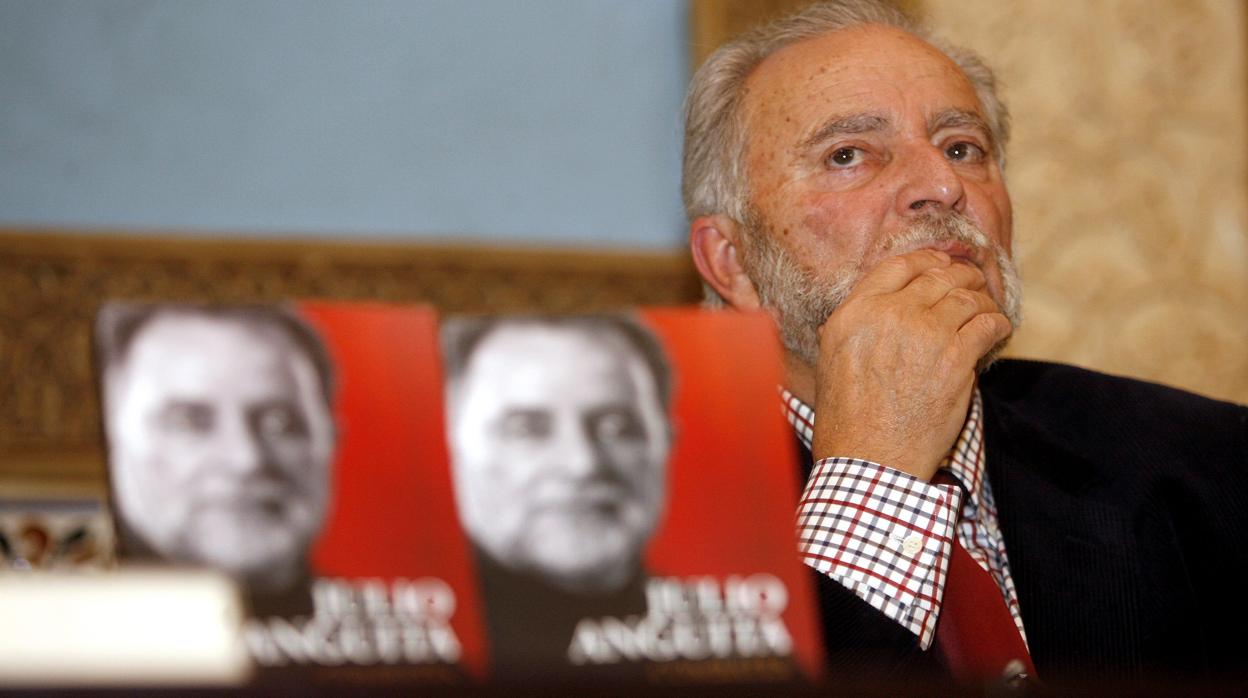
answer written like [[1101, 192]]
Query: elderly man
[[220, 438], [843, 171], [559, 438]]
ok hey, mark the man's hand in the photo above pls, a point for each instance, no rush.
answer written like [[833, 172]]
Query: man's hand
[[897, 361]]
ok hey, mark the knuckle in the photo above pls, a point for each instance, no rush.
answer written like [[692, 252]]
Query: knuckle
[[941, 275], [992, 326], [963, 297], [978, 330]]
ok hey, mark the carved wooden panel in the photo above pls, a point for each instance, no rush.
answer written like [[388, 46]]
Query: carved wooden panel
[[52, 284]]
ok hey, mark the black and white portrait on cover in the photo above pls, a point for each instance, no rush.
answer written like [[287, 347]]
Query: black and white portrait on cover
[[559, 433], [221, 437]]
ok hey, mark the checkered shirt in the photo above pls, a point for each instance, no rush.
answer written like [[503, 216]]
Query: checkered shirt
[[885, 535]]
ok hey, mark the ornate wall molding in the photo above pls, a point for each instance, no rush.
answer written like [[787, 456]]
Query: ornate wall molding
[[52, 282]]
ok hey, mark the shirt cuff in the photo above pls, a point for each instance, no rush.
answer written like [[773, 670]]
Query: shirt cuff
[[883, 534]]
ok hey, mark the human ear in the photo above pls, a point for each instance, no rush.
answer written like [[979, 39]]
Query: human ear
[[713, 243]]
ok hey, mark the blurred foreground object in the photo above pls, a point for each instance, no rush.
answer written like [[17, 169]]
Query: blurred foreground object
[[55, 533], [126, 628]]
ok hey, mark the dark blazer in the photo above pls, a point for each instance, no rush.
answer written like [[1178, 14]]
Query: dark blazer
[[1124, 508]]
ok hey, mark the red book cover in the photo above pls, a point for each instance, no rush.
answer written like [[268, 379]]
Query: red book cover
[[301, 450], [629, 485]]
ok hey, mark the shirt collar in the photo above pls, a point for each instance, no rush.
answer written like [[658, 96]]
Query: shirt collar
[[965, 460]]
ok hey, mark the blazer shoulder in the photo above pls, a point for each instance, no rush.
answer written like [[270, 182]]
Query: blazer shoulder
[[1088, 406], [1015, 379]]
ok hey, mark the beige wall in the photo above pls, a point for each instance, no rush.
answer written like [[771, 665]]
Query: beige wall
[[1128, 172]]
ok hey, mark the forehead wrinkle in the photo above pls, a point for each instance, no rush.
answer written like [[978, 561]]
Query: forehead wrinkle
[[843, 124]]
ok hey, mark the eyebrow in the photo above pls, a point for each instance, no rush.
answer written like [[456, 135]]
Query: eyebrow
[[959, 118], [844, 124], [864, 123], [523, 411]]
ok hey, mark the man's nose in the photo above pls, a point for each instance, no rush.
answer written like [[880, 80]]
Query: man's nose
[[239, 447], [929, 183], [580, 453]]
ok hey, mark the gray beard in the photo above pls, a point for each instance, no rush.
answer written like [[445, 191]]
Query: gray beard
[[800, 300]]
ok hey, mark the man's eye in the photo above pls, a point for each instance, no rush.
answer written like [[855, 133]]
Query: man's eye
[[188, 418], [963, 151], [525, 424], [844, 157], [617, 424], [280, 420]]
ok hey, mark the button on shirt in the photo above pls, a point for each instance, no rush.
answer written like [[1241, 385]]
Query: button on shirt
[[886, 535]]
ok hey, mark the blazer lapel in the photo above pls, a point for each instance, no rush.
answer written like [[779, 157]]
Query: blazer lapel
[[1073, 556]]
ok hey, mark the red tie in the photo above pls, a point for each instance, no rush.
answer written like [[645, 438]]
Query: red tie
[[976, 634]]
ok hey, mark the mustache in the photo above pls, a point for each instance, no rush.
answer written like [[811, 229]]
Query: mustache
[[935, 229]]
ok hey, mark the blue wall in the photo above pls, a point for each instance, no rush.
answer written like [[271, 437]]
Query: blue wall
[[546, 121]]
